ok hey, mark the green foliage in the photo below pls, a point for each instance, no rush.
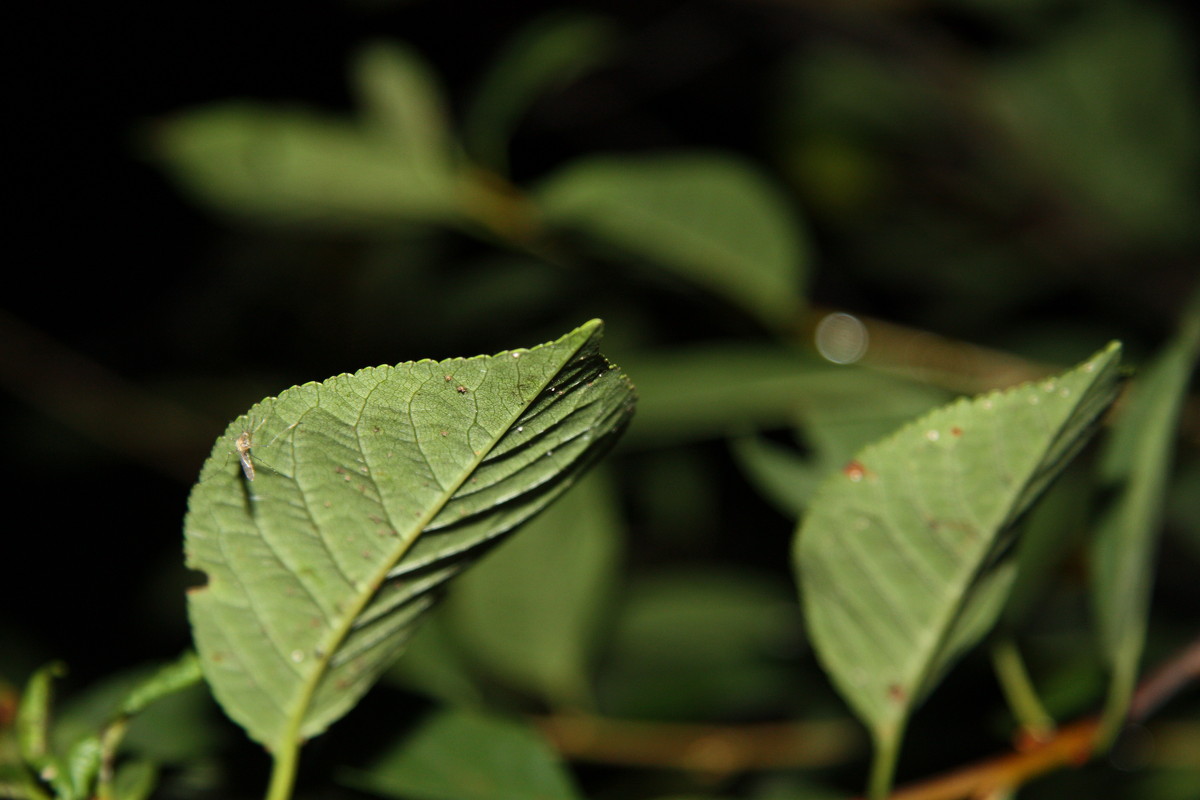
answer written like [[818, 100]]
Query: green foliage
[[75, 756], [1138, 460], [687, 642], [548, 55], [1014, 175], [901, 558], [705, 216], [459, 755], [380, 486], [289, 165], [538, 629], [1087, 119]]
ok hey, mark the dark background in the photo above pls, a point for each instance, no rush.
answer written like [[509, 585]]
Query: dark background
[[134, 323]]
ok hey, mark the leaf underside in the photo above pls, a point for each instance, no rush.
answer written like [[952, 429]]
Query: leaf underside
[[367, 493], [903, 559]]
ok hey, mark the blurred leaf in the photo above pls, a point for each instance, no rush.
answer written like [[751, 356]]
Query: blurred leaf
[[295, 166], [83, 765], [546, 55], [1109, 105], [33, 713], [402, 107], [901, 558], [177, 730], [531, 611], [855, 95], [90, 726], [843, 110], [459, 755], [379, 487], [1137, 460], [701, 644], [166, 706], [833, 432], [435, 666], [32, 728], [709, 218], [163, 682], [711, 391], [135, 780], [783, 476]]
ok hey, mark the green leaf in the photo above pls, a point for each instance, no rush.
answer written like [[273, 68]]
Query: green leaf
[[710, 219], [359, 498], [402, 107], [701, 644], [33, 714], [780, 474], [295, 166], [164, 720], [460, 755], [135, 780], [531, 613], [163, 682], [546, 55], [32, 727], [902, 559], [713, 390], [1078, 105], [832, 430], [83, 765], [434, 665], [1138, 460]]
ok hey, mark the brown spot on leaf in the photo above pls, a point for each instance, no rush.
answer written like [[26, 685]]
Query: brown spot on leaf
[[855, 471]]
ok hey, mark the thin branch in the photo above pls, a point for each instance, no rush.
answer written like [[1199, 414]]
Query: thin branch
[[714, 749], [1071, 745], [722, 750], [936, 360], [1166, 681]]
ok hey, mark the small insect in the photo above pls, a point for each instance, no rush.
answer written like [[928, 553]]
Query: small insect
[[244, 443], [243, 450]]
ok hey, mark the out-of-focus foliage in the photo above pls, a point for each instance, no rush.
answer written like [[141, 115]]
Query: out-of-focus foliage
[[992, 189]]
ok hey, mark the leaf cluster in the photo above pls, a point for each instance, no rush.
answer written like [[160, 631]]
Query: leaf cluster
[[801, 533]]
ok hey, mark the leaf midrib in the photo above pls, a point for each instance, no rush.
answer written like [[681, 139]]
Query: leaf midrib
[[924, 659], [338, 634]]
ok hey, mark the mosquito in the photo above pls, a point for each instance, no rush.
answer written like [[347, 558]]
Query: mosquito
[[244, 442], [243, 450]]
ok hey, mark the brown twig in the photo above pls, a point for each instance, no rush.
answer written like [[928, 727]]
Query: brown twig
[[723, 750], [1166, 681], [1071, 745], [937, 360], [717, 750]]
